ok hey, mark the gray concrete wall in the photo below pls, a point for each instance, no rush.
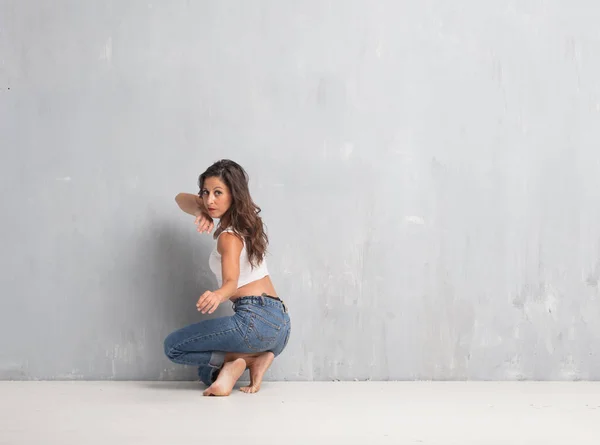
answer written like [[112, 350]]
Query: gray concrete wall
[[428, 171]]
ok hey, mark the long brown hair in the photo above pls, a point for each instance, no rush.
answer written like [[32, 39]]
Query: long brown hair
[[242, 216]]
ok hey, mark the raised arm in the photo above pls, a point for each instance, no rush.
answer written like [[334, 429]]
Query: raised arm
[[192, 204]]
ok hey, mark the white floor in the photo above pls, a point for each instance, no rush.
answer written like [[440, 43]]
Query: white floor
[[169, 413]]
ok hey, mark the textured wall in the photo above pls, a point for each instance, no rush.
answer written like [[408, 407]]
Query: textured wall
[[428, 171]]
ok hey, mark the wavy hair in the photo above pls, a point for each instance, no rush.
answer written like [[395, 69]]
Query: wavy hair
[[242, 216]]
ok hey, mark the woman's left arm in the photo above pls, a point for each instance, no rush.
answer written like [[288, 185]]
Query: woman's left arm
[[230, 248]]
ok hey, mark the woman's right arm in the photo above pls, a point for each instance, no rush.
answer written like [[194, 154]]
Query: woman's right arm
[[194, 205], [191, 204]]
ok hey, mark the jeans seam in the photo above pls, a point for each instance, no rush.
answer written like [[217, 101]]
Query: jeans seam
[[287, 337], [257, 349], [273, 325], [201, 336], [191, 363], [260, 338], [282, 319]]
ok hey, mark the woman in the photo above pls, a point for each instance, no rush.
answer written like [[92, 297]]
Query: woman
[[223, 348]]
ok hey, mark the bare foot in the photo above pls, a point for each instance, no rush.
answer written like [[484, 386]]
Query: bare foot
[[258, 366], [229, 374]]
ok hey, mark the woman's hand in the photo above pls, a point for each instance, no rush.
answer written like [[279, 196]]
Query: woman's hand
[[209, 301], [204, 223], [194, 205]]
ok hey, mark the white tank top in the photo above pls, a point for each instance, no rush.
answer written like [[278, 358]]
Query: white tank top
[[247, 274]]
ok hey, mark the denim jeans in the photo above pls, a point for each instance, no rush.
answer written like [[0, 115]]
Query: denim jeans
[[259, 324]]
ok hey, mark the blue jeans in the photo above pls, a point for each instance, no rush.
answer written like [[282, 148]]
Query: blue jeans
[[259, 324]]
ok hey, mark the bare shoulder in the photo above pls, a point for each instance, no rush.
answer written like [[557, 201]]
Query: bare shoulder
[[229, 242]]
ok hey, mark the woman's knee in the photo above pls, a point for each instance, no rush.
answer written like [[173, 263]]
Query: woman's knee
[[170, 344]]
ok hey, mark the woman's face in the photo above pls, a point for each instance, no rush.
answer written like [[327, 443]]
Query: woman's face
[[216, 197]]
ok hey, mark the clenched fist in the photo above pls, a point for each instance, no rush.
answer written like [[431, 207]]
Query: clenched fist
[[204, 223]]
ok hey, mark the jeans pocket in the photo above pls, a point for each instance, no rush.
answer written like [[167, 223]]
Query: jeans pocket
[[261, 335], [268, 316]]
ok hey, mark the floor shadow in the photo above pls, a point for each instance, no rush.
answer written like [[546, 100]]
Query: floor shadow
[[183, 385], [171, 386]]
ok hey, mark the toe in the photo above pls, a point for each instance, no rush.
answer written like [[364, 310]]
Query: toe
[[250, 389]]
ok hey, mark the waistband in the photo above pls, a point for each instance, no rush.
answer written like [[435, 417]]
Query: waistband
[[263, 300]]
